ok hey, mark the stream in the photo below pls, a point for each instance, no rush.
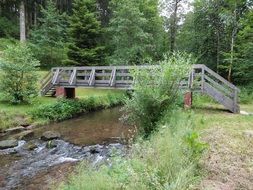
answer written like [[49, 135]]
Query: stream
[[94, 137]]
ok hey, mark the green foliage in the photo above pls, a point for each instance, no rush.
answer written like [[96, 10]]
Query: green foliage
[[5, 42], [6, 121], [85, 32], [207, 33], [8, 28], [135, 32], [169, 160], [18, 80], [246, 94], [156, 90], [243, 70], [48, 39], [66, 109]]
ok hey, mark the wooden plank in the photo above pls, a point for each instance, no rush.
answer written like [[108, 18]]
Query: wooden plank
[[124, 82], [220, 78], [107, 67], [235, 101], [113, 77], [202, 78], [56, 76], [219, 97], [102, 82], [92, 77], [73, 77], [219, 86]]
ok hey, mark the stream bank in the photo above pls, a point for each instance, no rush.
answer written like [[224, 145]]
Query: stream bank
[[94, 137]]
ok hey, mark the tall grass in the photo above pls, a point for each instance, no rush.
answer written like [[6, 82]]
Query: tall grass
[[168, 160]]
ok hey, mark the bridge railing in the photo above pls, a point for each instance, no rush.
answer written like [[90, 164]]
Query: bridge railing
[[102, 76], [207, 81], [201, 79]]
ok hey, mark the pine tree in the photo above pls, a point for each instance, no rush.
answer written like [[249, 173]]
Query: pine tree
[[49, 37], [85, 32]]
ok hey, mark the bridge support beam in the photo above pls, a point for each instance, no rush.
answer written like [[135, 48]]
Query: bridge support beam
[[188, 100], [65, 92]]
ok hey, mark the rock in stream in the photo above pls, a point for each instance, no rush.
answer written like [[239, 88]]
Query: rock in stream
[[50, 135], [8, 144]]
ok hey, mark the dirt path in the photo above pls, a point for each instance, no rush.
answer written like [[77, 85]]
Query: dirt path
[[229, 161]]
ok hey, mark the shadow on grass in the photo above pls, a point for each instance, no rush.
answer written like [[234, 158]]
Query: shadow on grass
[[210, 109]]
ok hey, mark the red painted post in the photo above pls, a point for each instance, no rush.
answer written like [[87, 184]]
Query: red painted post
[[188, 100], [60, 92]]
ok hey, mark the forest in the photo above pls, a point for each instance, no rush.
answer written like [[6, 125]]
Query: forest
[[218, 33]]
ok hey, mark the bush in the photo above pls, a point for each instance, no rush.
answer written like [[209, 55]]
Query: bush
[[246, 94], [66, 108], [156, 90], [18, 79], [5, 42], [168, 161]]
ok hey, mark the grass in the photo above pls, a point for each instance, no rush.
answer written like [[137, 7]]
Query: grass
[[24, 108], [228, 162], [168, 160], [9, 112], [162, 162]]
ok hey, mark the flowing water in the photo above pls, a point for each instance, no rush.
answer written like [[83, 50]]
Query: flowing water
[[93, 137]]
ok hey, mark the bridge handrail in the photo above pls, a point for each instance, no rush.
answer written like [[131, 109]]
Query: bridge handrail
[[105, 67], [46, 79], [220, 78]]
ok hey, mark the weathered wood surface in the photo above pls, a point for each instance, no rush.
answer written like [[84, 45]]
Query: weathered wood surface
[[200, 79]]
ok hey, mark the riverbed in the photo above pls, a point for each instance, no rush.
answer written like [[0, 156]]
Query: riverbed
[[94, 137]]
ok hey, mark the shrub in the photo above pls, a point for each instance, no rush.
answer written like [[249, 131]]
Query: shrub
[[66, 108], [18, 79], [169, 160], [156, 90], [246, 94]]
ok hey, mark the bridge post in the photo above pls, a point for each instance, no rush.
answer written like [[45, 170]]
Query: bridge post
[[188, 99], [65, 92]]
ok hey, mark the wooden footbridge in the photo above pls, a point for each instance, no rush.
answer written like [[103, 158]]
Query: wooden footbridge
[[201, 79]]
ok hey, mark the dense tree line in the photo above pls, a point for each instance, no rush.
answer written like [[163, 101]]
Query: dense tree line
[[219, 33]]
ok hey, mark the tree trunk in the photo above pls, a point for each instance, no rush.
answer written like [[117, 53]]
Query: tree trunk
[[232, 45], [231, 55], [218, 51], [22, 21], [173, 26], [35, 14]]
